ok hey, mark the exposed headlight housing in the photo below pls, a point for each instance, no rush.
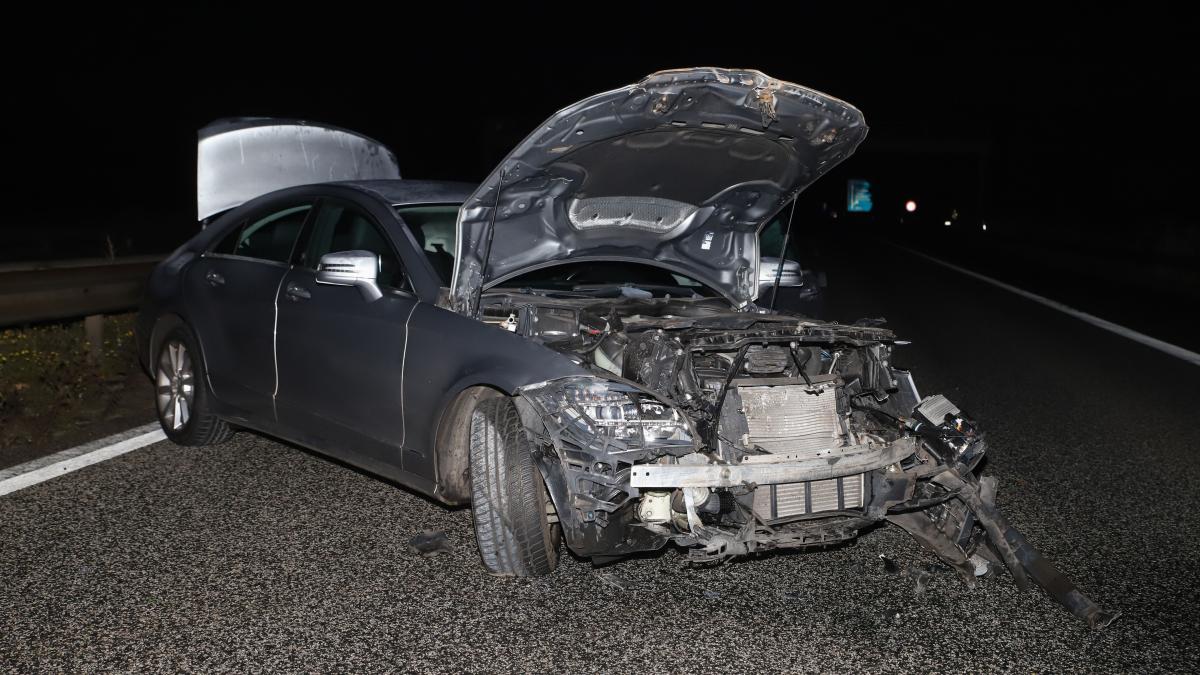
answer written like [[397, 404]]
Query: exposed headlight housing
[[615, 410]]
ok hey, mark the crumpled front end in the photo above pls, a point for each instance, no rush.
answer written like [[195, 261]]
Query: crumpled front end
[[737, 442]]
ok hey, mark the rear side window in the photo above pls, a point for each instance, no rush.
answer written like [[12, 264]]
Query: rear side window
[[270, 237]]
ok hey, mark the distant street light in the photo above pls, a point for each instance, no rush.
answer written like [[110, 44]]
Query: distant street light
[[985, 227], [910, 206], [947, 223]]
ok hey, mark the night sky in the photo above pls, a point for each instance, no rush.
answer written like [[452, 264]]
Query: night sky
[[1076, 123]]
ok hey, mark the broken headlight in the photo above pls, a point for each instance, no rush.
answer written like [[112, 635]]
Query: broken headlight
[[621, 412]]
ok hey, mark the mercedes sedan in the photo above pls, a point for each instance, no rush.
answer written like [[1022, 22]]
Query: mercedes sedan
[[573, 347]]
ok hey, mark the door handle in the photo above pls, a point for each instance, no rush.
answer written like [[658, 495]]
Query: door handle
[[214, 279], [297, 292]]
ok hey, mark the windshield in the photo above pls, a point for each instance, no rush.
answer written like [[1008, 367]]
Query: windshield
[[610, 279], [433, 226]]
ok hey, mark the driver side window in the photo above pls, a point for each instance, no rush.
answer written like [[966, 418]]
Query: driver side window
[[342, 227]]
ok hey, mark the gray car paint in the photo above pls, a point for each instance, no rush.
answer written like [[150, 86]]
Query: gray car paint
[[383, 373], [233, 298]]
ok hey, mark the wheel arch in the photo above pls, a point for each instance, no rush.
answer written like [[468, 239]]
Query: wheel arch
[[452, 437], [163, 326]]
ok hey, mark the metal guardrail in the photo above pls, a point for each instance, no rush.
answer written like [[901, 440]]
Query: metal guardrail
[[66, 289]]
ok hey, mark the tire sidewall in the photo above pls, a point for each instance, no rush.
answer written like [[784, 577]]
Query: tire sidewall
[[518, 458]]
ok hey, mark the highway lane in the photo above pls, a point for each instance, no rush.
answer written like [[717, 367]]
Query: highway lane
[[258, 555]]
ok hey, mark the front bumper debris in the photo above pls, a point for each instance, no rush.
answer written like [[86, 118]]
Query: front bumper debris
[[617, 495], [1023, 561], [850, 461]]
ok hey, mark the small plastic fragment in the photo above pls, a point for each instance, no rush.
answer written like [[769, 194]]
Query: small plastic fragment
[[429, 543], [617, 582], [922, 577]]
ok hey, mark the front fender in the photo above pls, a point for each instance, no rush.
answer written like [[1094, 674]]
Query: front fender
[[448, 354]]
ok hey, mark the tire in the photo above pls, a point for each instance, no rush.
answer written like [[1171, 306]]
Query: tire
[[508, 498], [181, 394]]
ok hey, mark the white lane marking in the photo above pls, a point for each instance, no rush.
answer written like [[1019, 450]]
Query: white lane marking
[[66, 461], [1154, 343]]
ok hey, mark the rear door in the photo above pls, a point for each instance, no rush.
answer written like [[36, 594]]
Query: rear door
[[231, 293], [341, 357]]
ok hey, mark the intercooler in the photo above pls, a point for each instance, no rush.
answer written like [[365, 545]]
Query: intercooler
[[795, 422]]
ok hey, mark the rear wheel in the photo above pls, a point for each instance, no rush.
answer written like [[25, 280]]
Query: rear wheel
[[180, 395], [508, 498]]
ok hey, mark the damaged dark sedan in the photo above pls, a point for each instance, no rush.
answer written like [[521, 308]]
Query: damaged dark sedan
[[574, 346]]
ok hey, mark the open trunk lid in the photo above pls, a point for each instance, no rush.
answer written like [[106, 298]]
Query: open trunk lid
[[238, 159]]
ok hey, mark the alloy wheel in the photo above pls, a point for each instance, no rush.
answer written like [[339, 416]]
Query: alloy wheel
[[174, 384]]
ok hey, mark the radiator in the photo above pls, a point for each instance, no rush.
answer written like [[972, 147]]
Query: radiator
[[793, 422], [796, 499], [789, 420]]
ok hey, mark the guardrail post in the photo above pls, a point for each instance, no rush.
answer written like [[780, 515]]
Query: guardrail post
[[93, 327]]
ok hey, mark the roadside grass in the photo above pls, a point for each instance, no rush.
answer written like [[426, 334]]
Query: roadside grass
[[53, 394]]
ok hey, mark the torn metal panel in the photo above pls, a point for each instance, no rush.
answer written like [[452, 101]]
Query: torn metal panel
[[1024, 561]]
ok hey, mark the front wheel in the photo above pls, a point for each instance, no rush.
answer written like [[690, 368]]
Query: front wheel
[[508, 497], [180, 395]]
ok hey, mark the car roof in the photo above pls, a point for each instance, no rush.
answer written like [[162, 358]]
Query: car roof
[[404, 192]]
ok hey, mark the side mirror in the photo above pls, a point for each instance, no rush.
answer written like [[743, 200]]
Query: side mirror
[[768, 267], [351, 268]]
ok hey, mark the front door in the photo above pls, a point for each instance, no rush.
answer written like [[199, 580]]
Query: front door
[[341, 356], [230, 294]]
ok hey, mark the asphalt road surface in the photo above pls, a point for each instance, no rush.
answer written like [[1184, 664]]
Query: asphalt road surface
[[255, 555]]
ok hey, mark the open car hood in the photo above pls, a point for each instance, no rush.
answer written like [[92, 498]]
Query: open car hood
[[238, 159], [680, 170]]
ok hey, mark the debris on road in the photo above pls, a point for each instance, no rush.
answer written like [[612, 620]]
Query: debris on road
[[921, 574], [922, 578], [429, 543], [615, 580]]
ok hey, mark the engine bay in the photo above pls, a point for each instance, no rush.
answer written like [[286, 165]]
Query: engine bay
[[695, 382]]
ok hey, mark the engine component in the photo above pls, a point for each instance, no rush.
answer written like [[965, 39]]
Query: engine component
[[796, 420], [766, 360], [652, 358], [935, 408], [552, 324], [654, 507], [772, 502], [610, 353], [948, 430]]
